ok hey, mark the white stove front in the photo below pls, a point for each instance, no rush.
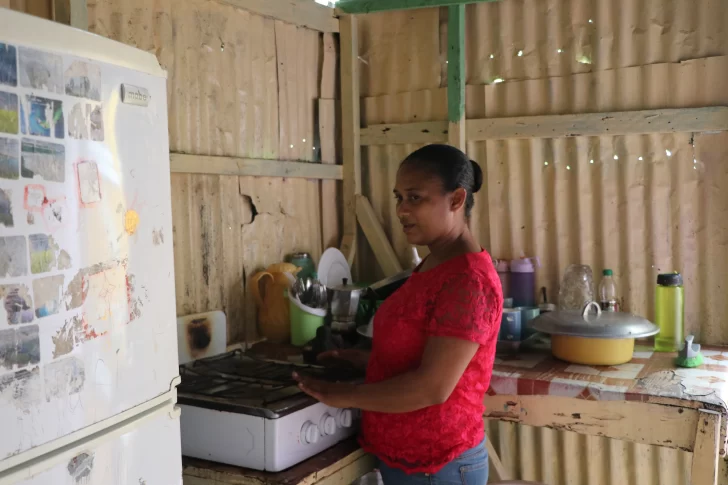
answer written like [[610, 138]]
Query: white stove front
[[263, 444]]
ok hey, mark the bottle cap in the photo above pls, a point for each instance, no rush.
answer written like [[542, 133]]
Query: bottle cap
[[670, 279], [607, 272], [501, 266], [524, 265]]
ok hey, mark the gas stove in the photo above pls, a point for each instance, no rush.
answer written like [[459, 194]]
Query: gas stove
[[248, 412]]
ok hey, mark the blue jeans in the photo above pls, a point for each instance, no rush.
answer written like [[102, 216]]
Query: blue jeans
[[470, 468]]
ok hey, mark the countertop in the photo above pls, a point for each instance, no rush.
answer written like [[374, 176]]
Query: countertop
[[649, 377]]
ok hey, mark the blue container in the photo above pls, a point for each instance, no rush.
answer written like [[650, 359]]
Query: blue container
[[527, 315], [510, 329]]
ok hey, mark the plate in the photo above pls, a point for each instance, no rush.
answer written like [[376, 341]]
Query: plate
[[365, 331], [333, 268]]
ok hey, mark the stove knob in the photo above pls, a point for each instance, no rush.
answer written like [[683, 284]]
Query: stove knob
[[327, 425], [309, 433], [344, 418]]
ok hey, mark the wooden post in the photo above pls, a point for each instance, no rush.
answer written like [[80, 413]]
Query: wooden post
[[369, 6], [383, 251], [704, 468], [456, 76], [350, 126], [71, 12]]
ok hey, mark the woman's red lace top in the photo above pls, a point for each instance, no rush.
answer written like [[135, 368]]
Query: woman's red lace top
[[460, 298]]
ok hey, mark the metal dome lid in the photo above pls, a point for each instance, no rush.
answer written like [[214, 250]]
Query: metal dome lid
[[591, 322]]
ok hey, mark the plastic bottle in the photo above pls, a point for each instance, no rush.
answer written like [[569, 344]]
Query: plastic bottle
[[504, 274], [523, 282], [608, 292], [669, 312]]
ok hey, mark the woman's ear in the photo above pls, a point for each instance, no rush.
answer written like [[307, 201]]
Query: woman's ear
[[458, 199]]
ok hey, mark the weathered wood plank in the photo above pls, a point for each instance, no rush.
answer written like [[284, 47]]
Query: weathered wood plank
[[330, 200], [399, 134], [683, 120], [680, 120], [369, 6], [304, 13], [350, 125], [71, 12], [251, 167], [704, 467], [498, 470], [382, 248], [339, 465], [650, 424], [456, 63], [456, 76]]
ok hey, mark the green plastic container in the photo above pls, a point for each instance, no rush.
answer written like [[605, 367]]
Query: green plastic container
[[670, 312], [304, 322]]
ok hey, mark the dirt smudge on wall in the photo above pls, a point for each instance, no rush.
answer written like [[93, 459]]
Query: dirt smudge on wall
[[64, 377], [80, 467]]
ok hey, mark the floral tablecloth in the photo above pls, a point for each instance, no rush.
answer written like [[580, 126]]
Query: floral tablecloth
[[649, 375]]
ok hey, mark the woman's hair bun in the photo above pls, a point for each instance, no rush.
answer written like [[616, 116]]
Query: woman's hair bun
[[477, 176]]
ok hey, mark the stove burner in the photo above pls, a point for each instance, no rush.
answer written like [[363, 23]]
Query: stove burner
[[235, 382]]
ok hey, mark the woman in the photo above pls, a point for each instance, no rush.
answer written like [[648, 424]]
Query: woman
[[434, 339]]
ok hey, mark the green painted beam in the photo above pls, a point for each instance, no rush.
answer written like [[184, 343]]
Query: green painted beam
[[369, 6], [456, 63]]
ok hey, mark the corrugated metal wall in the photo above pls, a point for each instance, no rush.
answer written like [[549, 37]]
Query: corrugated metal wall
[[637, 204], [239, 85]]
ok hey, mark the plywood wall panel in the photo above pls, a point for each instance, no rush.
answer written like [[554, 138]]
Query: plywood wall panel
[[239, 85]]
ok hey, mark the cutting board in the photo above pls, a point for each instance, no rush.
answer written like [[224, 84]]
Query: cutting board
[[201, 335]]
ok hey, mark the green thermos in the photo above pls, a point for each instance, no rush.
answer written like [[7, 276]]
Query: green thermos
[[669, 312], [303, 261]]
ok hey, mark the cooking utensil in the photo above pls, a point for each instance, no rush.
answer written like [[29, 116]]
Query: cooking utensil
[[381, 290], [593, 337], [545, 306], [345, 300]]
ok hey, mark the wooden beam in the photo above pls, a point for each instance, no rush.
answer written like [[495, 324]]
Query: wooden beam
[[390, 134], [350, 126], [250, 167], [71, 12], [383, 251], [705, 464], [304, 13], [370, 6], [497, 470], [456, 75], [637, 422], [680, 120]]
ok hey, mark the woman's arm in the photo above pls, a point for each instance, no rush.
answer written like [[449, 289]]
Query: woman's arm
[[443, 363]]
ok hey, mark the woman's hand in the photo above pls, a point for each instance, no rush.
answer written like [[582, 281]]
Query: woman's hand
[[356, 357], [337, 395]]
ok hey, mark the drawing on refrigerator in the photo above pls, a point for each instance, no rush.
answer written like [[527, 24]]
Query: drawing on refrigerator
[[88, 342]]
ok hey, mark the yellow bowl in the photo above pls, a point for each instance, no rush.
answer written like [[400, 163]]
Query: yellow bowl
[[592, 351]]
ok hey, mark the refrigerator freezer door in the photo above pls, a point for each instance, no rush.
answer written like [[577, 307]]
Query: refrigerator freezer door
[[144, 451], [87, 320]]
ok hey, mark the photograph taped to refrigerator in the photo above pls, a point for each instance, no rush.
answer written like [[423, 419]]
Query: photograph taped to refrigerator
[[87, 313]]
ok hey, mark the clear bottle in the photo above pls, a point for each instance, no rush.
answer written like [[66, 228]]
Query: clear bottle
[[608, 292], [669, 312]]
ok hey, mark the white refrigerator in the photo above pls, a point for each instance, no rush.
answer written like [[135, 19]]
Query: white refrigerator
[[88, 345]]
